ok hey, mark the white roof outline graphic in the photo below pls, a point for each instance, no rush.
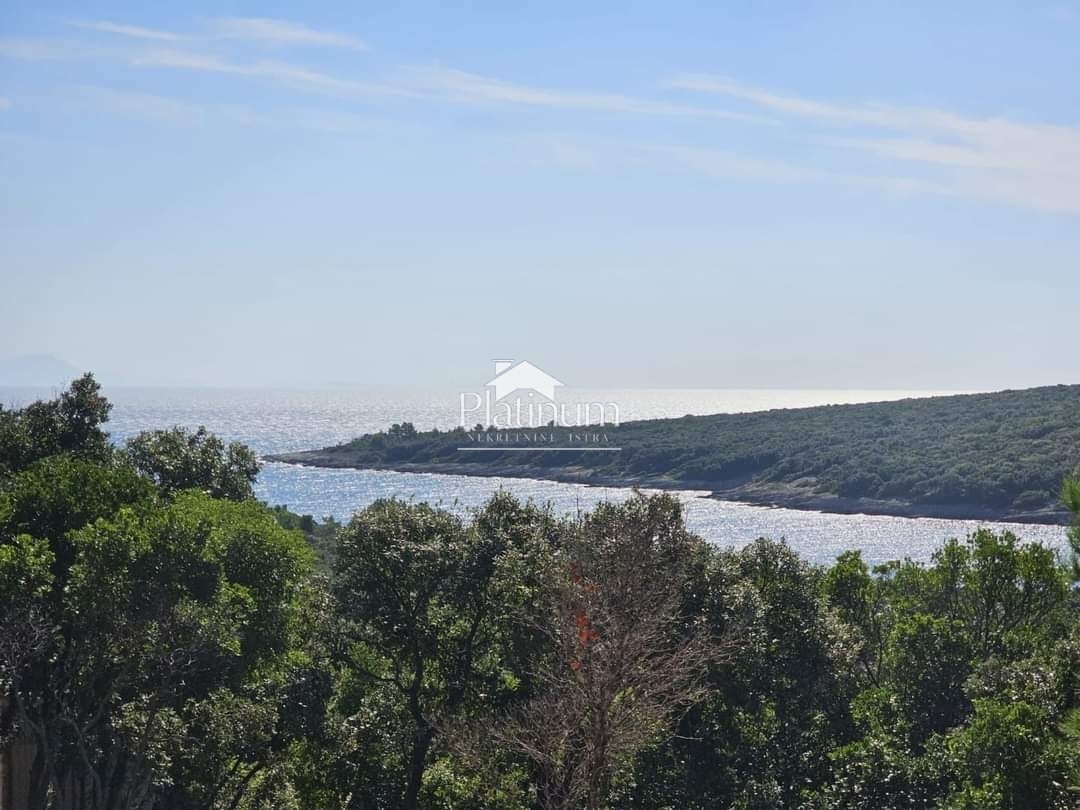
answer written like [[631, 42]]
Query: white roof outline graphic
[[523, 375]]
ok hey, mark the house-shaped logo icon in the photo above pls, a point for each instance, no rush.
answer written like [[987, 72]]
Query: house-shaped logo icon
[[510, 378]]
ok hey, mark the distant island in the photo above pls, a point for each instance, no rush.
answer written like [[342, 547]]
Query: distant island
[[997, 456], [36, 370]]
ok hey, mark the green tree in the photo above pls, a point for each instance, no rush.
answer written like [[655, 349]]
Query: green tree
[[149, 653], [59, 494], [71, 424], [1070, 495], [177, 459], [862, 601], [1003, 592], [428, 600], [929, 660], [1008, 758], [978, 655], [159, 608], [139, 635]]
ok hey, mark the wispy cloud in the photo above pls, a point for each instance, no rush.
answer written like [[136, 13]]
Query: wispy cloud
[[996, 159], [909, 149], [460, 86], [42, 50], [435, 83], [571, 151], [333, 122], [278, 32], [285, 73], [262, 30], [140, 105], [124, 30], [558, 151], [727, 164]]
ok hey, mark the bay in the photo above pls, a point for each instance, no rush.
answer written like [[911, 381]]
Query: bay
[[278, 420]]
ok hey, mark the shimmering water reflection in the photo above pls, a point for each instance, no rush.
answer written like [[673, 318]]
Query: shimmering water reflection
[[274, 421], [817, 536]]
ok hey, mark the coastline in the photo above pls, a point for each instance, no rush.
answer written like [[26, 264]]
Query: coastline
[[783, 496]]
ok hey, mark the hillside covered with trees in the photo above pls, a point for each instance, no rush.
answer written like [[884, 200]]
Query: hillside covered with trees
[[167, 642], [998, 455]]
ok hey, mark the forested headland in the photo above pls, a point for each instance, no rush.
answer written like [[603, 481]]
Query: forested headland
[[167, 642], [982, 456]]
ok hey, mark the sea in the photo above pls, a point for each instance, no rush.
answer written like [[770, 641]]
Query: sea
[[276, 421]]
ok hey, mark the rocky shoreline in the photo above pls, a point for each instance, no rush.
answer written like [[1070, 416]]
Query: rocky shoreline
[[785, 496]]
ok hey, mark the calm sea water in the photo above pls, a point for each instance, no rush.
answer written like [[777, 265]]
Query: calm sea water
[[273, 421]]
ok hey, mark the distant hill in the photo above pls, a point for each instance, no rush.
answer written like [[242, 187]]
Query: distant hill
[[36, 370], [982, 456]]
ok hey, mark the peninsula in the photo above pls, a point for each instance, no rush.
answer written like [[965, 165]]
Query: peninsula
[[995, 456]]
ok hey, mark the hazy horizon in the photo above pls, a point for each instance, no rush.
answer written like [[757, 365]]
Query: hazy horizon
[[15, 374]]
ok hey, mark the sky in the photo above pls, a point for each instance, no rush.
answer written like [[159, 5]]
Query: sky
[[731, 195]]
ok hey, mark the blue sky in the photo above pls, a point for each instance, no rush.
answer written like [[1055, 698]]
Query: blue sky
[[672, 195]]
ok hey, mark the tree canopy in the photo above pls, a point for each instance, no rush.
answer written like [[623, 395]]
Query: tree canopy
[[166, 641]]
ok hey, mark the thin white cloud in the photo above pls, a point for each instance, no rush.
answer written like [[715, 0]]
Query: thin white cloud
[[278, 32], [723, 164], [733, 165], [460, 86], [262, 30], [317, 120], [433, 83], [124, 30], [5, 104], [718, 164], [995, 159], [330, 121], [283, 73], [787, 105], [558, 151], [133, 104], [908, 149], [43, 50]]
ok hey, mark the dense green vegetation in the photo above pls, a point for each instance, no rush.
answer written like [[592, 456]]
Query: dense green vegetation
[[979, 455], [168, 642]]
